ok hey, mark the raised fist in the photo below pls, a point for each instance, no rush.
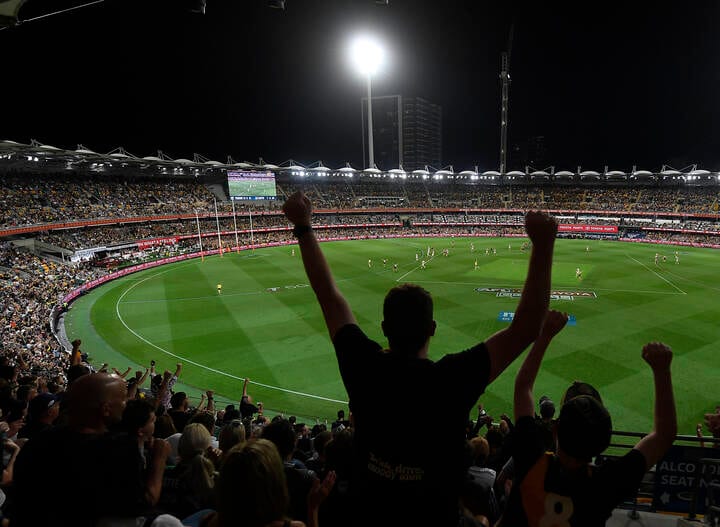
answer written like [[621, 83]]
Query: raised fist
[[540, 227], [298, 209], [554, 322], [657, 355]]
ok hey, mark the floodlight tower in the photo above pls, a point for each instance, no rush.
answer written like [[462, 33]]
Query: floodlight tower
[[505, 80], [368, 56]]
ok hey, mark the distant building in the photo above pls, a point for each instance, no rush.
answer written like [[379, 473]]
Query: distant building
[[407, 131]]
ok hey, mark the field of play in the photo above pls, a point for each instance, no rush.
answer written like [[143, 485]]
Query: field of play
[[266, 324]]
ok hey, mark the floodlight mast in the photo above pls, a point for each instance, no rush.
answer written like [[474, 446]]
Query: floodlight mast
[[371, 149], [368, 57], [505, 79]]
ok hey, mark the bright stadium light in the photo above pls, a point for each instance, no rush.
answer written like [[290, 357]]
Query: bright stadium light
[[368, 56]]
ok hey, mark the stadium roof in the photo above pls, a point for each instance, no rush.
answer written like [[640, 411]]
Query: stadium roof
[[37, 157]]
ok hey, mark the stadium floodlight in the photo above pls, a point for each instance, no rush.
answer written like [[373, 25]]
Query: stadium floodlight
[[368, 56]]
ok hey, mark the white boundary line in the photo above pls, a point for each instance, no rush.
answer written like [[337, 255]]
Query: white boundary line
[[413, 269], [185, 359], [685, 279], [656, 273]]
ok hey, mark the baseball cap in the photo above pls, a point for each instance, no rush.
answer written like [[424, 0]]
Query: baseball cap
[[42, 402], [581, 388], [547, 407], [584, 427]]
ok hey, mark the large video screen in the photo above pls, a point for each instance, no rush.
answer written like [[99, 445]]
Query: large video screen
[[244, 185]]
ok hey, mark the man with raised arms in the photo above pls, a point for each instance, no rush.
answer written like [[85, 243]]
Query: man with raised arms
[[399, 480]]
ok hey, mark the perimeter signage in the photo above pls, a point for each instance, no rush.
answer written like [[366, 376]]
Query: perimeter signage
[[603, 229], [506, 292]]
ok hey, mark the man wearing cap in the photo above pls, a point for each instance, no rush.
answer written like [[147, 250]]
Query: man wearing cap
[[546, 423], [565, 489], [42, 412]]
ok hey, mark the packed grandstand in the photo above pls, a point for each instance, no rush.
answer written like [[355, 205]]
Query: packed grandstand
[[64, 229]]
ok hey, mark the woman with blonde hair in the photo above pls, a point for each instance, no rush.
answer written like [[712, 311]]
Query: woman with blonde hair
[[232, 435], [189, 486], [252, 490]]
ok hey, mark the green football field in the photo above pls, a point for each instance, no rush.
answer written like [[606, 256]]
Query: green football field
[[267, 326]]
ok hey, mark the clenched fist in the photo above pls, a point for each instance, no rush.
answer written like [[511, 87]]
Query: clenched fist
[[540, 227], [657, 355], [298, 209]]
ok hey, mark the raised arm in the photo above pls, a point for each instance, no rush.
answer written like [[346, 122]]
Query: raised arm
[[654, 445], [505, 345], [141, 381], [335, 308], [524, 403], [178, 370], [75, 354], [123, 374]]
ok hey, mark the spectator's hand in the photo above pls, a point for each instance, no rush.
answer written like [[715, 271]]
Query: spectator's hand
[[657, 355], [159, 448], [213, 454], [540, 227], [76, 343], [210, 394], [298, 209], [4, 427], [321, 490], [698, 430], [554, 322], [15, 427], [11, 446]]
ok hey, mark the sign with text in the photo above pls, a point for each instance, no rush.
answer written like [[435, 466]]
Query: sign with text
[[602, 229], [679, 473], [507, 316]]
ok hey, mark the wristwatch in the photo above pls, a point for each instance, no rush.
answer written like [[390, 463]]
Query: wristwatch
[[300, 230]]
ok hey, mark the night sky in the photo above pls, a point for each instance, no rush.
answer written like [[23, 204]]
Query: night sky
[[602, 82]]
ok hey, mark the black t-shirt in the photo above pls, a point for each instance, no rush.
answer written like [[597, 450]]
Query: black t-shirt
[[408, 470], [543, 491], [91, 476]]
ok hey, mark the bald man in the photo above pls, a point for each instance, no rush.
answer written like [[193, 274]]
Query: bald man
[[92, 472], [96, 402]]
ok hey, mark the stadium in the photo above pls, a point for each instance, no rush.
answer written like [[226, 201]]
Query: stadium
[[129, 268]]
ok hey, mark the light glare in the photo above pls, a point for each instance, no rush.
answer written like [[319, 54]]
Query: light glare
[[367, 55]]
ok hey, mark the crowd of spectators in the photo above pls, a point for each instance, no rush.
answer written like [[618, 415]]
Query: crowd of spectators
[[36, 200], [176, 458], [33, 200], [29, 288]]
